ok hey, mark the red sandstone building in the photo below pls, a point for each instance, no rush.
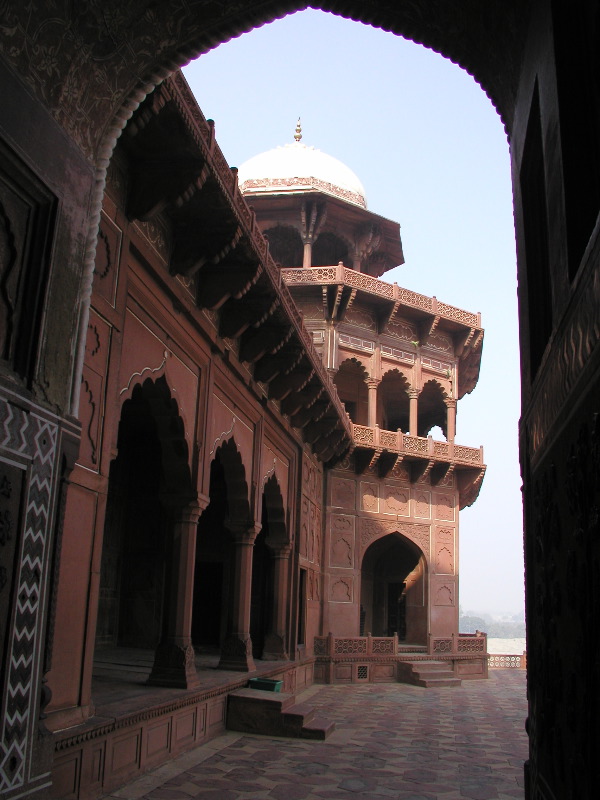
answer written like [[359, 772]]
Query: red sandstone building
[[182, 431], [256, 492]]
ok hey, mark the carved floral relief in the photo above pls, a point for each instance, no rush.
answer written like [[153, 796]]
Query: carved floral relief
[[444, 595], [342, 541], [343, 493], [341, 590], [396, 500], [422, 504], [444, 561], [444, 505], [369, 496]]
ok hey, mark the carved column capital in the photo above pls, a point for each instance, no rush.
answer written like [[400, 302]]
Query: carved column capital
[[243, 533], [412, 393], [450, 402], [281, 551]]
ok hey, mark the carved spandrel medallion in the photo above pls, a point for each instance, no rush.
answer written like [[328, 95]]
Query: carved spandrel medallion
[[372, 529]]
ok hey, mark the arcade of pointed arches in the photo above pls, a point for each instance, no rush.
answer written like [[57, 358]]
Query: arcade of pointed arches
[[392, 403]]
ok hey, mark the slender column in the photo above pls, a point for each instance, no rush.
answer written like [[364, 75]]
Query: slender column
[[174, 658], [372, 384], [451, 420], [307, 259], [413, 424], [236, 650], [275, 648]]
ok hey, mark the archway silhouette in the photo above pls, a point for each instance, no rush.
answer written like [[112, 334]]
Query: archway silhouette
[[394, 590], [393, 401], [149, 483], [350, 382]]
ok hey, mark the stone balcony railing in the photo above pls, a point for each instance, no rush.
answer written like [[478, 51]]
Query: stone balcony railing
[[496, 661], [462, 644], [417, 446], [391, 291]]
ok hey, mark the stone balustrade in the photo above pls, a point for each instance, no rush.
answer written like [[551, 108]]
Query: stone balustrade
[[420, 446], [464, 644], [496, 661], [366, 283]]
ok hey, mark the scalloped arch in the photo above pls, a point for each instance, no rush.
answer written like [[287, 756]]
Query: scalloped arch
[[278, 534], [170, 428], [357, 360], [390, 369], [230, 459], [435, 382]]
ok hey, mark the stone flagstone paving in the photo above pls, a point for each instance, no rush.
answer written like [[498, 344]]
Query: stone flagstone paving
[[391, 741]]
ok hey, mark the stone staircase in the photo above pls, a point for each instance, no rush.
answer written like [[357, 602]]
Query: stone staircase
[[274, 714], [431, 674]]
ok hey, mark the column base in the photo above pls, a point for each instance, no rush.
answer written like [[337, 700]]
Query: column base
[[274, 649], [174, 666], [236, 654]]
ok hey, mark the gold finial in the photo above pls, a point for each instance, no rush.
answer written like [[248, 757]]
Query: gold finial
[[298, 134]]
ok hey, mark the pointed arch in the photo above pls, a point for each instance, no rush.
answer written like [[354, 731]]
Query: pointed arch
[[432, 408], [149, 483], [331, 248], [393, 405], [274, 512], [393, 589], [285, 245], [351, 383], [170, 429], [229, 458]]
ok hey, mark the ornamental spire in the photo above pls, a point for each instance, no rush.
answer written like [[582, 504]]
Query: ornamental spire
[[298, 134]]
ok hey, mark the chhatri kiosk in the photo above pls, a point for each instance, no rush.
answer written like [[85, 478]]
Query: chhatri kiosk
[[400, 362]]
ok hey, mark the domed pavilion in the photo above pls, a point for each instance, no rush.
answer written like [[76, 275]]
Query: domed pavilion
[[400, 361], [313, 210]]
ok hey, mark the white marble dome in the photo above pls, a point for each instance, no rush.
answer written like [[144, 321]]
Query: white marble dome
[[296, 168]]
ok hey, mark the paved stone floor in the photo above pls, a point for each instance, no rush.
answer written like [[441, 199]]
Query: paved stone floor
[[391, 741]]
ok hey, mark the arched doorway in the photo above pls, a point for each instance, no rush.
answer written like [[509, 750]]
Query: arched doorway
[[350, 382], [269, 618], [393, 590], [132, 575], [432, 409], [393, 402], [149, 489], [493, 46], [212, 567], [285, 245], [262, 588], [223, 565]]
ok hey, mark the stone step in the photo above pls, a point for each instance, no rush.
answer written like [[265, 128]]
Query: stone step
[[274, 714], [319, 728], [296, 717], [430, 674]]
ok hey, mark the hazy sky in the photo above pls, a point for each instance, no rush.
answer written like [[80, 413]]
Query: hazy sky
[[432, 154]]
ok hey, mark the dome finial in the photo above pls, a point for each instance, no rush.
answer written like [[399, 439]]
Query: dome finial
[[298, 134]]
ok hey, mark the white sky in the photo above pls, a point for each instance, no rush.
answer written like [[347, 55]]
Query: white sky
[[432, 154]]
